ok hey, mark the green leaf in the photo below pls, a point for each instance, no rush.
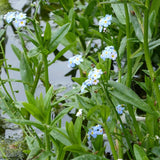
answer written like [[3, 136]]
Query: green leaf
[[119, 11], [122, 47], [98, 142], [84, 22], [44, 155], [156, 150], [83, 103], [137, 26], [61, 135], [103, 110], [139, 153], [34, 111], [79, 80], [7, 105], [60, 115], [58, 36], [127, 95], [16, 51], [62, 52], [27, 122], [152, 23], [89, 157], [26, 72], [33, 52], [67, 4], [47, 98], [34, 147], [2, 32], [30, 39], [47, 33], [71, 133], [30, 98], [77, 129], [91, 8], [155, 6], [76, 149], [85, 65]]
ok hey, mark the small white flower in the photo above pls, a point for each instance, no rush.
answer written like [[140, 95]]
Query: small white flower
[[79, 113]]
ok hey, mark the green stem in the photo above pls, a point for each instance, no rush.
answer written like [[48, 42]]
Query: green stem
[[46, 71], [110, 142], [129, 62], [37, 77], [109, 137], [129, 72], [110, 103], [5, 63], [36, 11], [47, 141], [147, 55]]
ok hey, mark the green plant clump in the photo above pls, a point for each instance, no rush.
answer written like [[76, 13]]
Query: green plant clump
[[116, 96]]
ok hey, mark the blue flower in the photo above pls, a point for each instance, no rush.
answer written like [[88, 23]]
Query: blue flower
[[109, 52], [94, 131], [93, 77], [105, 22], [75, 60], [83, 87], [18, 19], [20, 16], [120, 109], [9, 16]]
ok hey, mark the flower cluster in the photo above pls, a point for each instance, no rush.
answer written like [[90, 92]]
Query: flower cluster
[[18, 19], [93, 77], [109, 52], [79, 113], [94, 131], [120, 109], [75, 60], [105, 22]]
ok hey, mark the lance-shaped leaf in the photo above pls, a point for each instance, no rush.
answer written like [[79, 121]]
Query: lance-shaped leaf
[[61, 135], [119, 11], [127, 95], [137, 26], [27, 122], [60, 115], [57, 36], [89, 157], [77, 149], [139, 153], [26, 72]]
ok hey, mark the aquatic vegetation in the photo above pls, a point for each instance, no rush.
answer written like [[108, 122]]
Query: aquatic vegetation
[[115, 67]]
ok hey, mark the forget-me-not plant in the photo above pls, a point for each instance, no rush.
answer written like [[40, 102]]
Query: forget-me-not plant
[[93, 77], [75, 60], [109, 52], [105, 22]]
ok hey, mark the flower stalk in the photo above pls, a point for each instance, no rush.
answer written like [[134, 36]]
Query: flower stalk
[[129, 71]]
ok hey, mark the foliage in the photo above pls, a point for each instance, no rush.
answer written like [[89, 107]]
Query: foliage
[[115, 46]]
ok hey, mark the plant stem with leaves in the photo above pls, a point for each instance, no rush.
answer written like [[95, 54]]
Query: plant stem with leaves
[[147, 54], [129, 71]]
